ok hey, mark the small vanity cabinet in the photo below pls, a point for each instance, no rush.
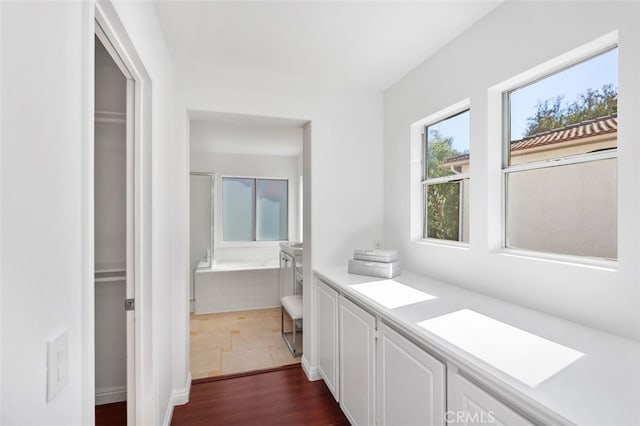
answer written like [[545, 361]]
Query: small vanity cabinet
[[290, 268], [287, 274]]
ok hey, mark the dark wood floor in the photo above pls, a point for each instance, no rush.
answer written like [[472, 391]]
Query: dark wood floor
[[111, 414], [282, 397]]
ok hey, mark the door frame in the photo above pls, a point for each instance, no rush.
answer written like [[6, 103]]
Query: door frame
[[103, 21]]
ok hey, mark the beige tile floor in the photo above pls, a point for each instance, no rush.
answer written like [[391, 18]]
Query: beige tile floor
[[237, 342]]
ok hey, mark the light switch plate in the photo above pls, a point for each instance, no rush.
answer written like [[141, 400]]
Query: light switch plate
[[57, 365]]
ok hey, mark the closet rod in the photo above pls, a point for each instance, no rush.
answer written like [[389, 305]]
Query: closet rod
[[118, 278]]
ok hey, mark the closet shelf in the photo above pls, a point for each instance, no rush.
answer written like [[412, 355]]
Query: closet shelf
[[110, 117]]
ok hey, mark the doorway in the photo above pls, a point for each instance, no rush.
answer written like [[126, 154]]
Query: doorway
[[114, 259], [245, 206]]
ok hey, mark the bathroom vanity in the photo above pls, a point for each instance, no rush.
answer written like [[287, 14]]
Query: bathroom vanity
[[290, 268]]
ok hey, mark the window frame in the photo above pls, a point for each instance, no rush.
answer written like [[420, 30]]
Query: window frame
[[425, 181], [254, 241], [507, 169]]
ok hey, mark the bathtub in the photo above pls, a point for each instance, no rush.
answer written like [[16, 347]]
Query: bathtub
[[236, 286]]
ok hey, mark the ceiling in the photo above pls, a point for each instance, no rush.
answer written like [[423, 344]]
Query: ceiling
[[355, 44]]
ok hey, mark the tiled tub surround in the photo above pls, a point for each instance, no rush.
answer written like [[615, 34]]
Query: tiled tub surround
[[235, 342], [236, 285]]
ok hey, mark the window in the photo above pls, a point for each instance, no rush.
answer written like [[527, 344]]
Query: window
[[560, 161], [254, 209], [446, 179]]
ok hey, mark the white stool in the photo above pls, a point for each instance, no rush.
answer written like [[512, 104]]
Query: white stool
[[293, 306]]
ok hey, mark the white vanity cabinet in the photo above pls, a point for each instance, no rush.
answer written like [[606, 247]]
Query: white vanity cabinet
[[287, 274], [327, 335], [357, 363], [471, 405], [411, 383]]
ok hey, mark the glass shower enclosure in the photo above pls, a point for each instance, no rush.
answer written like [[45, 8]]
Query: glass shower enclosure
[[201, 224]]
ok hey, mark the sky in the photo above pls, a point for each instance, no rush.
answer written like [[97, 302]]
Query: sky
[[456, 127], [594, 73]]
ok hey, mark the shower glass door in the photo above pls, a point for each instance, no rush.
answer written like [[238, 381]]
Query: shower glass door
[[201, 224]]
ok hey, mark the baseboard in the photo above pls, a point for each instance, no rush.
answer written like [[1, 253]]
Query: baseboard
[[111, 395], [181, 396], [312, 373], [178, 397]]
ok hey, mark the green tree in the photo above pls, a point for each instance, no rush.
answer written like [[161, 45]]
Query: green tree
[[443, 200], [551, 114]]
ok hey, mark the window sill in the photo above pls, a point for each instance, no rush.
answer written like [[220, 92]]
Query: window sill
[[587, 262], [442, 243]]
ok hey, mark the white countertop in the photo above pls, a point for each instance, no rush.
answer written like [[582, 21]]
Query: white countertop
[[597, 379]]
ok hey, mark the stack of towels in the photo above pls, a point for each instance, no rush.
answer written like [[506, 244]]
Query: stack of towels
[[375, 263]]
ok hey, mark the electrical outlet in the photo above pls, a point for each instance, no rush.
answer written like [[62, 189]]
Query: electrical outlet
[[57, 365]]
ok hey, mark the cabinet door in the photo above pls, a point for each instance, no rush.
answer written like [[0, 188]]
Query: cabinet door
[[327, 332], [474, 406], [357, 363], [411, 382], [287, 274]]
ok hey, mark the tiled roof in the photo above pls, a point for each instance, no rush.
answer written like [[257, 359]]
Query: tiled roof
[[584, 129]]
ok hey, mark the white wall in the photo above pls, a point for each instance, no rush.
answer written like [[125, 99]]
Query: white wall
[[41, 250], [47, 52], [344, 164], [512, 39], [237, 138]]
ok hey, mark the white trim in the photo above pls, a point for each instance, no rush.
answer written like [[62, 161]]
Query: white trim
[[168, 414], [583, 261], [181, 396], [178, 397], [219, 241], [498, 120], [1, 204], [418, 146], [111, 394], [87, 215], [443, 243], [446, 179], [562, 161], [139, 395], [312, 373]]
